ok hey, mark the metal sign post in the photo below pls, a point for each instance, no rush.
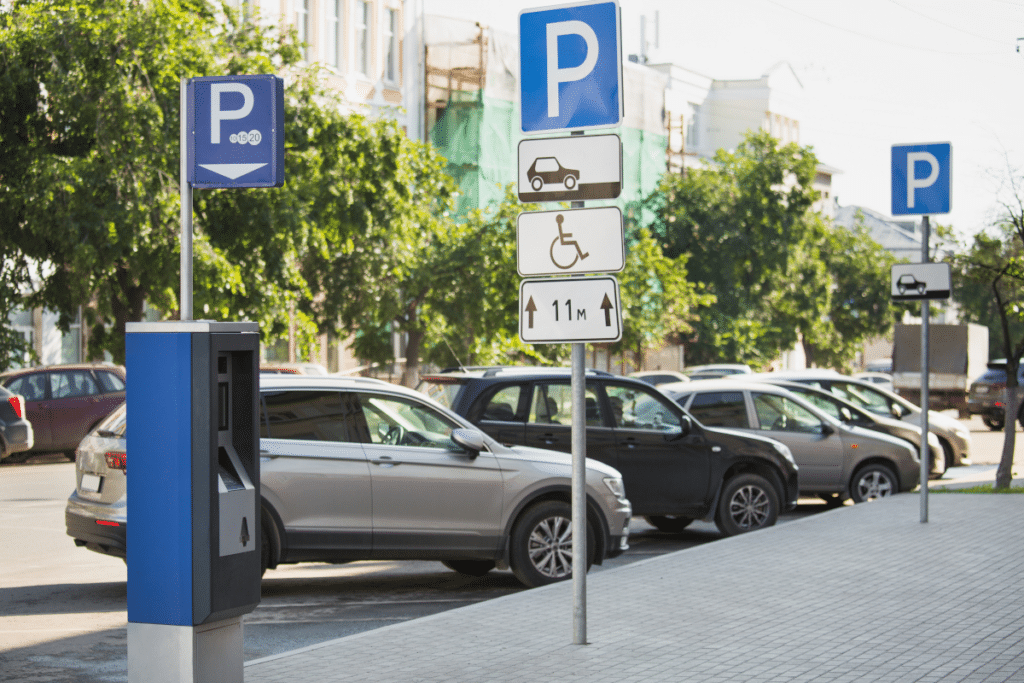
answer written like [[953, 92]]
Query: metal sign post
[[571, 79], [922, 193]]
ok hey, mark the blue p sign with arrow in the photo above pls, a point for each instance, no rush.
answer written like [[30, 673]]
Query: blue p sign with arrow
[[236, 131]]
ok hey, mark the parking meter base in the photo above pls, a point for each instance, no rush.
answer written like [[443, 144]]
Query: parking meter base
[[161, 653]]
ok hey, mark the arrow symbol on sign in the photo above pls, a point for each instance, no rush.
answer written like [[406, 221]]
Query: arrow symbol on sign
[[531, 308], [243, 536], [232, 171], [606, 305]]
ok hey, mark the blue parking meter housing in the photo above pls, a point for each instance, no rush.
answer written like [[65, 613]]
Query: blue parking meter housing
[[193, 438]]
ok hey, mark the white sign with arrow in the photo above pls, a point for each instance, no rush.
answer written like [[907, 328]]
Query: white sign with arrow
[[570, 310]]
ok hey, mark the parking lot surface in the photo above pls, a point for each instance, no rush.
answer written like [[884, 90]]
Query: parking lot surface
[[860, 593]]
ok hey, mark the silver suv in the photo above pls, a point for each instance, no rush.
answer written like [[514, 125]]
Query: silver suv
[[358, 469]]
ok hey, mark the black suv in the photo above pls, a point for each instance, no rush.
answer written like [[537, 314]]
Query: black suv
[[674, 469], [987, 396]]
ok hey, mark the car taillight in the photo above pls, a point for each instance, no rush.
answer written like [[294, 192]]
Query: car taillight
[[117, 461], [15, 402]]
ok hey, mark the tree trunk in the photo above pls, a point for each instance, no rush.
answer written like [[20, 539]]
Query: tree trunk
[[411, 373], [1004, 473]]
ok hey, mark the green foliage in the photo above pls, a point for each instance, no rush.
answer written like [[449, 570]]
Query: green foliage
[[774, 268], [976, 273]]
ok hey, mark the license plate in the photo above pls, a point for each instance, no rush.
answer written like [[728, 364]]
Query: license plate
[[981, 390], [91, 483]]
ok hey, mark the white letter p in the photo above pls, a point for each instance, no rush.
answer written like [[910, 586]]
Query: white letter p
[[216, 115], [914, 183], [574, 73]]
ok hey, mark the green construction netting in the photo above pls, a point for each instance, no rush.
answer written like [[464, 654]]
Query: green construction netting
[[479, 136]]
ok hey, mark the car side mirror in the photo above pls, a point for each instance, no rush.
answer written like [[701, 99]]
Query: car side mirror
[[826, 430], [845, 414], [897, 411], [468, 439], [685, 427]]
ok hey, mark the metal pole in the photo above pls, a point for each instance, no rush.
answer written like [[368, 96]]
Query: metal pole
[[579, 486], [925, 367], [186, 211]]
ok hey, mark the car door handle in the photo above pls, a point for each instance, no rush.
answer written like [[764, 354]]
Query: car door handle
[[548, 439], [268, 454], [629, 444], [384, 461]]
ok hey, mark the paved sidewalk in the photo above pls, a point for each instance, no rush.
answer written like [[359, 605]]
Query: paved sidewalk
[[861, 593]]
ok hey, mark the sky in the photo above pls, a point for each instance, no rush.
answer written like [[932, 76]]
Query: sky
[[875, 73]]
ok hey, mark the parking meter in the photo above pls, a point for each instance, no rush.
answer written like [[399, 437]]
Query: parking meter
[[193, 547]]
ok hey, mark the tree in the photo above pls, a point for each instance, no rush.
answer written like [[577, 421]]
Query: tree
[[739, 218], [997, 263]]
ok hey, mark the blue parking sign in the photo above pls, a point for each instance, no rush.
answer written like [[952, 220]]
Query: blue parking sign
[[921, 178], [236, 131], [570, 60]]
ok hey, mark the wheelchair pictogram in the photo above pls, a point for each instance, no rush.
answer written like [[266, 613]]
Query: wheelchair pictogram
[[564, 239]]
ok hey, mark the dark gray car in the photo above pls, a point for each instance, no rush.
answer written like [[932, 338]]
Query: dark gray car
[[356, 469]]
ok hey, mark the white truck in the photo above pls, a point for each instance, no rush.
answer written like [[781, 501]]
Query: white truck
[[957, 355]]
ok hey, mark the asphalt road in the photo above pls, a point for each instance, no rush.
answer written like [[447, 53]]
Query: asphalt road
[[63, 613]]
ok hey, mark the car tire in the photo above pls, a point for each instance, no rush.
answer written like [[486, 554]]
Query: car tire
[[537, 184], [748, 502], [872, 482], [937, 469], [264, 549], [993, 422], [21, 456], [569, 182], [541, 551], [671, 524], [470, 567]]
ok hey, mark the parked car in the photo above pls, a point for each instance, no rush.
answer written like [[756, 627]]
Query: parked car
[[16, 437], [716, 370], [880, 379], [359, 469], [954, 436], [674, 469], [836, 461], [65, 402], [987, 396], [851, 414], [658, 377]]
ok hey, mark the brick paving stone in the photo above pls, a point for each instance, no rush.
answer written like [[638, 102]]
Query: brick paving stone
[[862, 593]]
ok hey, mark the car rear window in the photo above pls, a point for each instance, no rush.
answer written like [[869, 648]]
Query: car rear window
[[444, 390], [110, 382], [32, 387]]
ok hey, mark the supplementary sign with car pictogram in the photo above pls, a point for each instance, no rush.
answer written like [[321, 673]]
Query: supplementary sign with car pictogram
[[235, 131], [570, 169], [573, 241], [570, 67], [920, 281], [561, 310]]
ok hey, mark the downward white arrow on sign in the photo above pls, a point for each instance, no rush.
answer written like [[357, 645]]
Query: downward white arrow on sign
[[232, 171]]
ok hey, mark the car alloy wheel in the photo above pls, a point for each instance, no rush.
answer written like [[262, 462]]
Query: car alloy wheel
[[542, 544], [748, 502], [873, 482]]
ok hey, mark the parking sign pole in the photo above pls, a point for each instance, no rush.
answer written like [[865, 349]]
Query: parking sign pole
[[185, 303], [579, 485], [925, 371]]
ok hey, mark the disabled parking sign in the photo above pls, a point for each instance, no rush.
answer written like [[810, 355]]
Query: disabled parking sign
[[570, 67], [235, 131]]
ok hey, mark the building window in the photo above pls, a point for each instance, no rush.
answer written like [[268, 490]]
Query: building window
[[391, 46], [333, 27], [362, 26], [302, 25]]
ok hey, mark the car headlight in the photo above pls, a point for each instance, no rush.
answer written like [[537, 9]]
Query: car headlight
[[614, 485], [783, 450]]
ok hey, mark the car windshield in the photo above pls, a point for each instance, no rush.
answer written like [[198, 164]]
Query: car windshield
[[863, 397], [115, 424]]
